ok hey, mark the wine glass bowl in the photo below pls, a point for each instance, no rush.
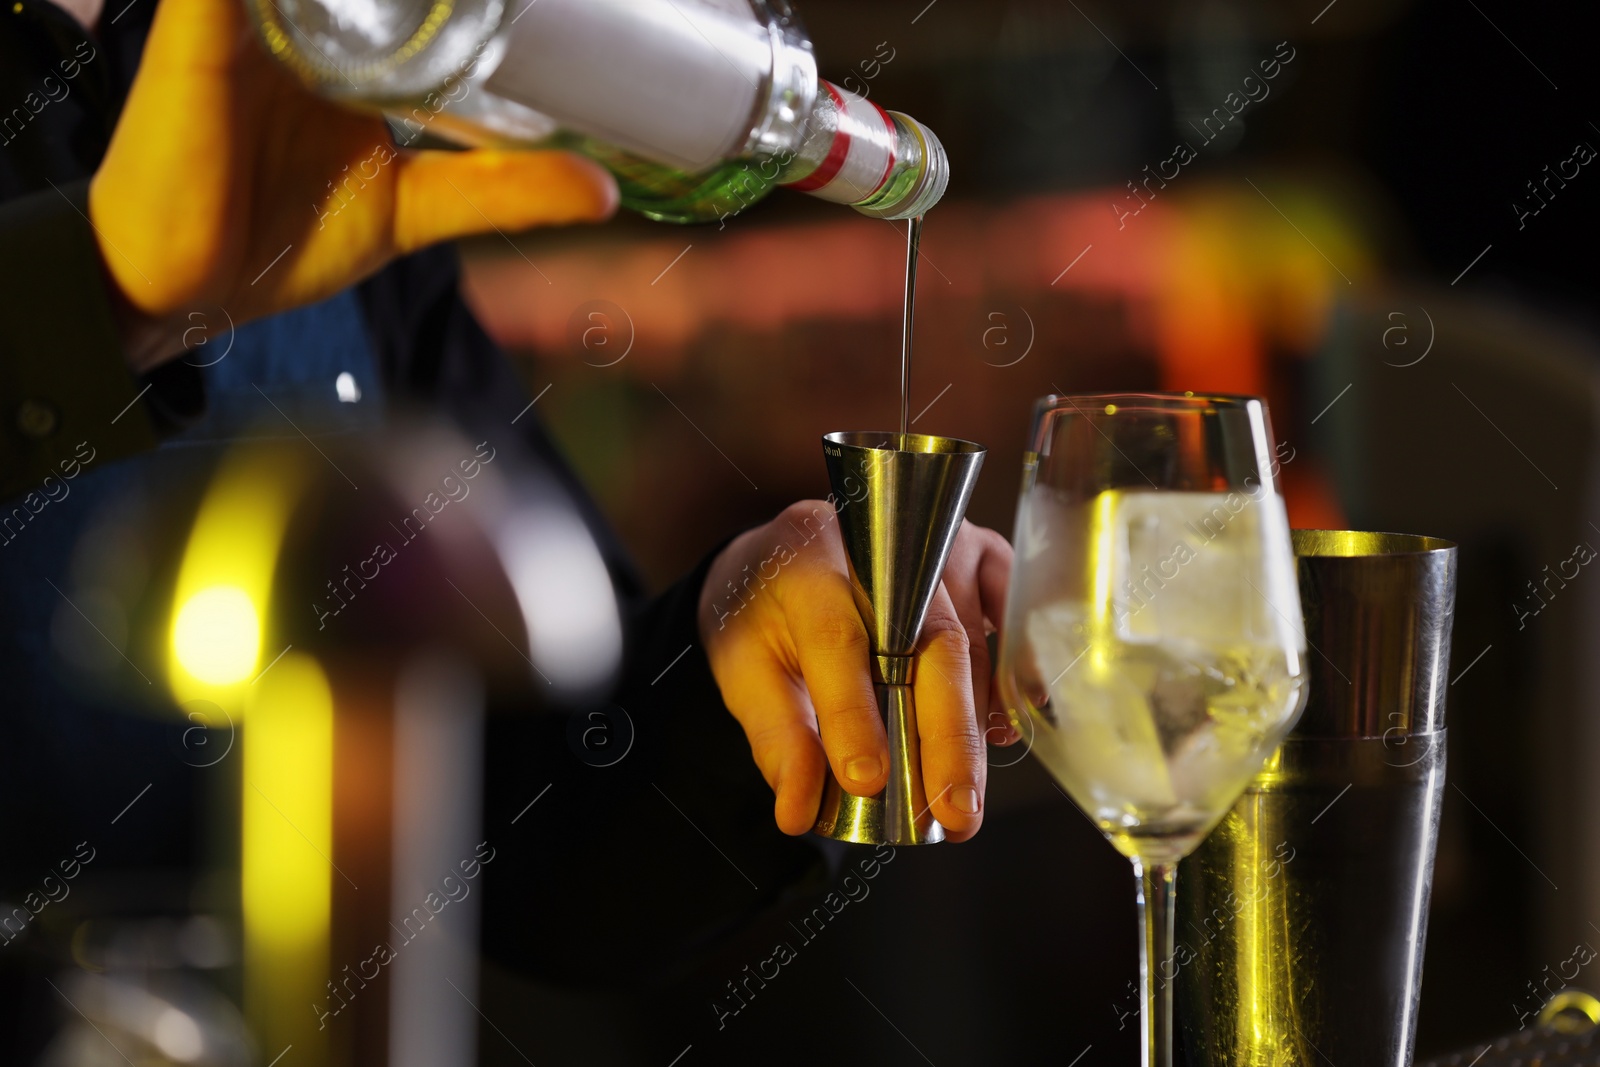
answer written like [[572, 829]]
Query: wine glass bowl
[[1153, 644]]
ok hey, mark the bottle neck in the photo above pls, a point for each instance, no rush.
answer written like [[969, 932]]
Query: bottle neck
[[882, 163]]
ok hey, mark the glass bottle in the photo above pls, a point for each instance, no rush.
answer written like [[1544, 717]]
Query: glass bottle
[[699, 107]]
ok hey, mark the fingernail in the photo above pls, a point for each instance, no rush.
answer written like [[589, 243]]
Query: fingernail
[[863, 768], [965, 799]]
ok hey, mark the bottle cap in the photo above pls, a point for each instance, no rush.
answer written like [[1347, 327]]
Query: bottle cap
[[932, 175]]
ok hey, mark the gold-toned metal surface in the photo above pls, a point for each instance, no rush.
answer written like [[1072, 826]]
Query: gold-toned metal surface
[[1566, 1034], [1302, 916], [1378, 609], [894, 670], [1571, 1011], [900, 499]]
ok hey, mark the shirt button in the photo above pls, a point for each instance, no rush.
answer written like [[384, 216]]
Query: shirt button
[[37, 418]]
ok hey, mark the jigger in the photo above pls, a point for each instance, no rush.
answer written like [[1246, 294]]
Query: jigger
[[900, 499]]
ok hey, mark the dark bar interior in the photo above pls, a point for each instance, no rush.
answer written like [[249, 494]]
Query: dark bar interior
[[464, 597]]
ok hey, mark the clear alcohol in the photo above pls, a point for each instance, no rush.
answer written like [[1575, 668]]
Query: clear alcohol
[[1160, 677]]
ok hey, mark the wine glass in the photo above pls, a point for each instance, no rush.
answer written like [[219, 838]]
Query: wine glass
[[1153, 647]]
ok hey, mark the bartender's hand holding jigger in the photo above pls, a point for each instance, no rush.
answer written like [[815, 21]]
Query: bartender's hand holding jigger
[[791, 656]]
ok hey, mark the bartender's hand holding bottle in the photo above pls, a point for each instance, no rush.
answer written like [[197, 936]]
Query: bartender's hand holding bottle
[[221, 162], [791, 655]]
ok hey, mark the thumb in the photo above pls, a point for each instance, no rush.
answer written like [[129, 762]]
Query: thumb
[[443, 195]]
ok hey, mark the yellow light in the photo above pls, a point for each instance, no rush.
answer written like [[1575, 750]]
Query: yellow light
[[288, 804], [220, 616], [217, 635], [286, 859], [1111, 409], [1105, 538]]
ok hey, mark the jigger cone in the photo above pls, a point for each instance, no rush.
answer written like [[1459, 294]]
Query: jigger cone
[[900, 500]]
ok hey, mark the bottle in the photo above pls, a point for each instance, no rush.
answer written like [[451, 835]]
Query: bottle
[[699, 107]]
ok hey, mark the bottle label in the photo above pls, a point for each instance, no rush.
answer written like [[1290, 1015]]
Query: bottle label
[[862, 153], [587, 63]]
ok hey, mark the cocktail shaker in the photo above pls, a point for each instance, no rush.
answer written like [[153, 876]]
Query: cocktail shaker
[[1302, 917]]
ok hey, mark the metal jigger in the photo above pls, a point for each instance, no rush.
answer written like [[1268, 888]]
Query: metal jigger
[[1302, 916], [900, 500]]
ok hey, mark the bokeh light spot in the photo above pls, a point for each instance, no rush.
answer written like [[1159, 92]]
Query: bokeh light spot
[[217, 635]]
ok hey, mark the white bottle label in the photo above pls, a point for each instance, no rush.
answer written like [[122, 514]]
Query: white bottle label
[[583, 63]]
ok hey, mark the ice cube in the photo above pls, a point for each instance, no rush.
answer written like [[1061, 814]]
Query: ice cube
[[1106, 741], [1194, 567]]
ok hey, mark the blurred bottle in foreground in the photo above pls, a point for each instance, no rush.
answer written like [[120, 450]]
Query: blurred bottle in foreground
[[699, 107]]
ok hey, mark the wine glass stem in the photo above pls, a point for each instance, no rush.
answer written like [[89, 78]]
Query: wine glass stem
[[1157, 965]]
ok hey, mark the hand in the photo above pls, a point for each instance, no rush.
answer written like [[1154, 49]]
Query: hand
[[792, 658], [222, 160]]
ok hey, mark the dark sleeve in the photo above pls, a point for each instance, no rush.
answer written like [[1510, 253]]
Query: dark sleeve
[[63, 381], [650, 830], [652, 837], [436, 358]]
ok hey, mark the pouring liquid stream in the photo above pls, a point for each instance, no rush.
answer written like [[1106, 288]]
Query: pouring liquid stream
[[913, 245]]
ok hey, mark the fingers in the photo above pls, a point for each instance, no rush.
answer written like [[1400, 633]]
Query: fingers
[[975, 577], [196, 35], [444, 195], [794, 667], [954, 762], [831, 646], [994, 580], [778, 722], [759, 682], [961, 580], [994, 574], [161, 210]]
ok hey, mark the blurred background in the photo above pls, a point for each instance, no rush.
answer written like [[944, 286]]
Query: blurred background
[[1376, 214], [1361, 245]]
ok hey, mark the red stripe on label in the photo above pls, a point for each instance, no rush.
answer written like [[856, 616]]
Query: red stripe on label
[[889, 124], [837, 153]]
